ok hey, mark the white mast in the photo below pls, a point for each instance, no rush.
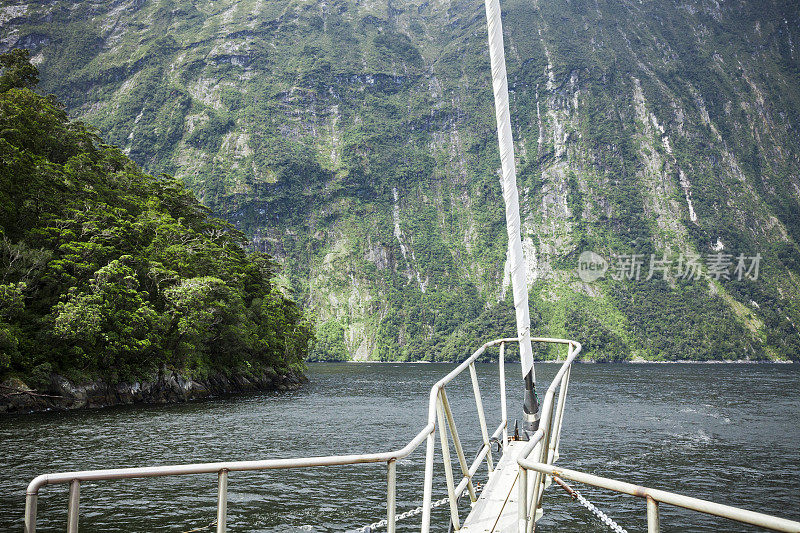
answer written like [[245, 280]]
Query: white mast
[[515, 257]]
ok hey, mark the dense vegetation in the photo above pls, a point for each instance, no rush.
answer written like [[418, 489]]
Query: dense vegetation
[[355, 141], [108, 272]]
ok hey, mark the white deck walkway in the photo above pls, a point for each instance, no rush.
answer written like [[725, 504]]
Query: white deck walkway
[[496, 508]]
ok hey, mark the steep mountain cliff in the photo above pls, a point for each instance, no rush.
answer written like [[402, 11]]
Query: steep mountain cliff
[[354, 140]]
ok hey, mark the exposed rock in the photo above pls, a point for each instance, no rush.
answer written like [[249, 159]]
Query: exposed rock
[[165, 387]]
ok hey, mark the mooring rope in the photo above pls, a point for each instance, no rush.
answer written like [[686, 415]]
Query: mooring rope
[[408, 514], [589, 505]]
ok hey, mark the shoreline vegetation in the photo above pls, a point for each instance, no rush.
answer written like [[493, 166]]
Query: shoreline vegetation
[[121, 287]]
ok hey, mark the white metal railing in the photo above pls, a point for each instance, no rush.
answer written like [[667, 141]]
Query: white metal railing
[[654, 497], [439, 415], [544, 443], [542, 450]]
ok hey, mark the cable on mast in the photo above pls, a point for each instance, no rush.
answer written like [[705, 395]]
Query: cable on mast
[[516, 259]]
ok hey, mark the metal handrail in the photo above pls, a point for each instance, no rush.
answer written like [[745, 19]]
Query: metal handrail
[[544, 445], [433, 414], [655, 496], [438, 412], [220, 468], [545, 440]]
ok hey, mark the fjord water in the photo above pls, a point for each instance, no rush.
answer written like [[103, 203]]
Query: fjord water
[[726, 432]]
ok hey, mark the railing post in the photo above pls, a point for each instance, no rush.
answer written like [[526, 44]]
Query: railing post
[[545, 425], [562, 398], [504, 412], [556, 427], [391, 496], [462, 460], [222, 502], [653, 522], [448, 466], [522, 507], [532, 505], [72, 510], [481, 415], [427, 490], [30, 512]]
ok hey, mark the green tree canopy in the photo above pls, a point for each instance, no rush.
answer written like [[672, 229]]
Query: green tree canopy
[[105, 270], [16, 70]]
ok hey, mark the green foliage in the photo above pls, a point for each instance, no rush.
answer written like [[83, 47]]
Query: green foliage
[[209, 134], [110, 328], [599, 342], [398, 46], [16, 71], [108, 271], [12, 307], [684, 323], [329, 344]]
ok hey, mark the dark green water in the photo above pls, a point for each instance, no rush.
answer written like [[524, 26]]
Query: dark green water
[[729, 433]]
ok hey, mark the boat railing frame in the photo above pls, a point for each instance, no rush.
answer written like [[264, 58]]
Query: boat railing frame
[[544, 443], [654, 497], [439, 415], [541, 451]]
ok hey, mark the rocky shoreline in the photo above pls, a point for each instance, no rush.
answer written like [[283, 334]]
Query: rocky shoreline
[[166, 387]]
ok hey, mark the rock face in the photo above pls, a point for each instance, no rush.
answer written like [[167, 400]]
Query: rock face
[[167, 387], [354, 141]]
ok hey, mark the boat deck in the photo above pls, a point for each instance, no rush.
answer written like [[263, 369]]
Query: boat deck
[[496, 508]]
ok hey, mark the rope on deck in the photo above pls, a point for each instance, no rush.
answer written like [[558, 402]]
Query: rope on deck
[[589, 505]]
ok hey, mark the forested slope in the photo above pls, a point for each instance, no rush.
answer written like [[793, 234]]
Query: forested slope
[[109, 273], [354, 141]]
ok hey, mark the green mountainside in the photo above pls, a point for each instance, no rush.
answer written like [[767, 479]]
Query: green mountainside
[[108, 273], [354, 141]]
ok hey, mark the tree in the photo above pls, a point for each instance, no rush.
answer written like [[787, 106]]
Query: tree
[[16, 70], [110, 328], [209, 325], [12, 304], [329, 345]]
